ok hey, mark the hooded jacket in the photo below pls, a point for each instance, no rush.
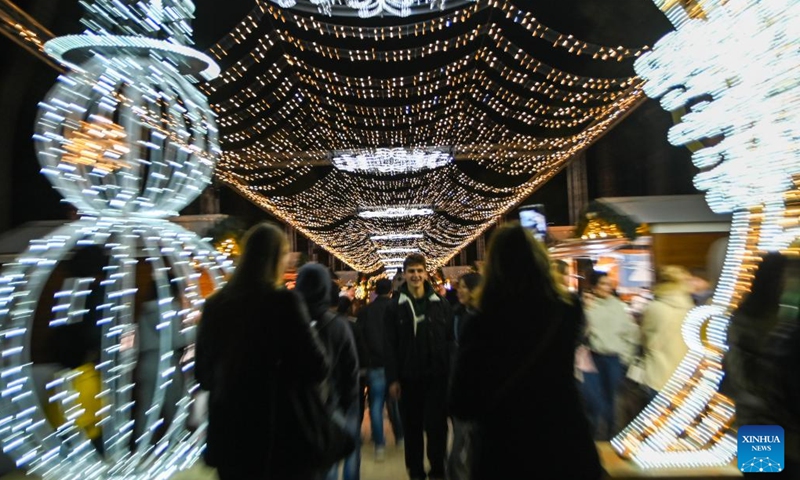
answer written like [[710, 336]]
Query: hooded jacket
[[371, 324], [314, 285], [418, 345]]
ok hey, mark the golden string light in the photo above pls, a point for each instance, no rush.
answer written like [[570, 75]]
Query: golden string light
[[298, 87]]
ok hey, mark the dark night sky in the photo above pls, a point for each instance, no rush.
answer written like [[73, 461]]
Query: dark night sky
[[633, 159]]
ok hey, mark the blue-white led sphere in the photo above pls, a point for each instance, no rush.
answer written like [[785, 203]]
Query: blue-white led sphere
[[127, 136], [148, 279]]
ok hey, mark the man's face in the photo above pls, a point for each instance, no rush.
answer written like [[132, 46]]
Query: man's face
[[415, 275]]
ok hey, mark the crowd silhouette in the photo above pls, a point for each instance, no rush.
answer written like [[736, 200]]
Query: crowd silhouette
[[498, 366]]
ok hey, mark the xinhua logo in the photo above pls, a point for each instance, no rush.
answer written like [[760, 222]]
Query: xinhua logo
[[760, 448]]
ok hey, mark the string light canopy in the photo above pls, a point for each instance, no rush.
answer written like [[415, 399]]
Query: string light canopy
[[323, 118]]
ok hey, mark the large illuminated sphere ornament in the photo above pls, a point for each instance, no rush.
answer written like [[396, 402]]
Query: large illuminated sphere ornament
[[128, 140], [121, 141], [734, 64]]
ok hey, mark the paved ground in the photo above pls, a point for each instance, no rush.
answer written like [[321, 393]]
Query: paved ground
[[392, 468]]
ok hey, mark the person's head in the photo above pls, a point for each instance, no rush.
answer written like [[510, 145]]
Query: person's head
[[344, 305], [414, 271], [466, 287], [383, 287], [767, 286], [602, 286], [263, 260], [517, 269], [673, 277], [313, 283]]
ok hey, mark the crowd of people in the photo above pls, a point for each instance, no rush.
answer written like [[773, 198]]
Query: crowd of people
[[499, 366]]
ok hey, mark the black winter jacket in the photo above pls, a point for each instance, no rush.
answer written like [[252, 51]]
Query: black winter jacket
[[371, 324], [337, 335], [415, 352], [242, 336]]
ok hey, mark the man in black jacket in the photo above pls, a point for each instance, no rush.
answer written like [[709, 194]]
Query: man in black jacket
[[371, 325], [418, 335]]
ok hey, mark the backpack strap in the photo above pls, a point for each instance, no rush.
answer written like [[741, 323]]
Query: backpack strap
[[326, 319]]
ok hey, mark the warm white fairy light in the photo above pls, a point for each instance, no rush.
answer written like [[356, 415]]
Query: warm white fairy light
[[751, 108], [391, 160], [127, 139], [284, 112]]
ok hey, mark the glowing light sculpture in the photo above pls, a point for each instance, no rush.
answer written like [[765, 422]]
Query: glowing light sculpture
[[371, 8], [392, 160], [735, 64], [395, 212], [396, 236], [128, 140]]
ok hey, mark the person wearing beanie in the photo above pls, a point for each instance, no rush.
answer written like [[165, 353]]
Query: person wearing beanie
[[314, 286]]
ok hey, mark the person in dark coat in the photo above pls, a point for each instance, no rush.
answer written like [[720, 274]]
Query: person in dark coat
[[247, 328], [314, 285], [419, 332], [351, 469], [459, 458], [514, 370], [763, 358], [371, 325]]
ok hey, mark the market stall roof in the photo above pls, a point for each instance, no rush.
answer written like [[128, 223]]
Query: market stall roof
[[683, 212], [665, 208]]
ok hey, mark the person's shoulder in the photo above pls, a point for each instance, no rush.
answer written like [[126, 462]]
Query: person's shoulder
[[284, 295], [215, 302]]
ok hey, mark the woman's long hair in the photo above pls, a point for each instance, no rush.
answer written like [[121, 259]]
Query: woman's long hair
[[517, 270], [261, 263]]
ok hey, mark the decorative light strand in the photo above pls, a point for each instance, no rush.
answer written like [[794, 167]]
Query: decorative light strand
[[128, 140], [751, 171]]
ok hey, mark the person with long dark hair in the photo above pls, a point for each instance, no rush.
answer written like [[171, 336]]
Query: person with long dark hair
[[249, 328], [514, 369], [762, 361]]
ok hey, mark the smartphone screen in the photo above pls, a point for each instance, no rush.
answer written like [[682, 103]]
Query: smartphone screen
[[532, 217]]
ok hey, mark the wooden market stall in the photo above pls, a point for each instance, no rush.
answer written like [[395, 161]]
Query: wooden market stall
[[630, 237]]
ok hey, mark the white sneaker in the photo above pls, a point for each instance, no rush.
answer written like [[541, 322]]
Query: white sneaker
[[380, 454]]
